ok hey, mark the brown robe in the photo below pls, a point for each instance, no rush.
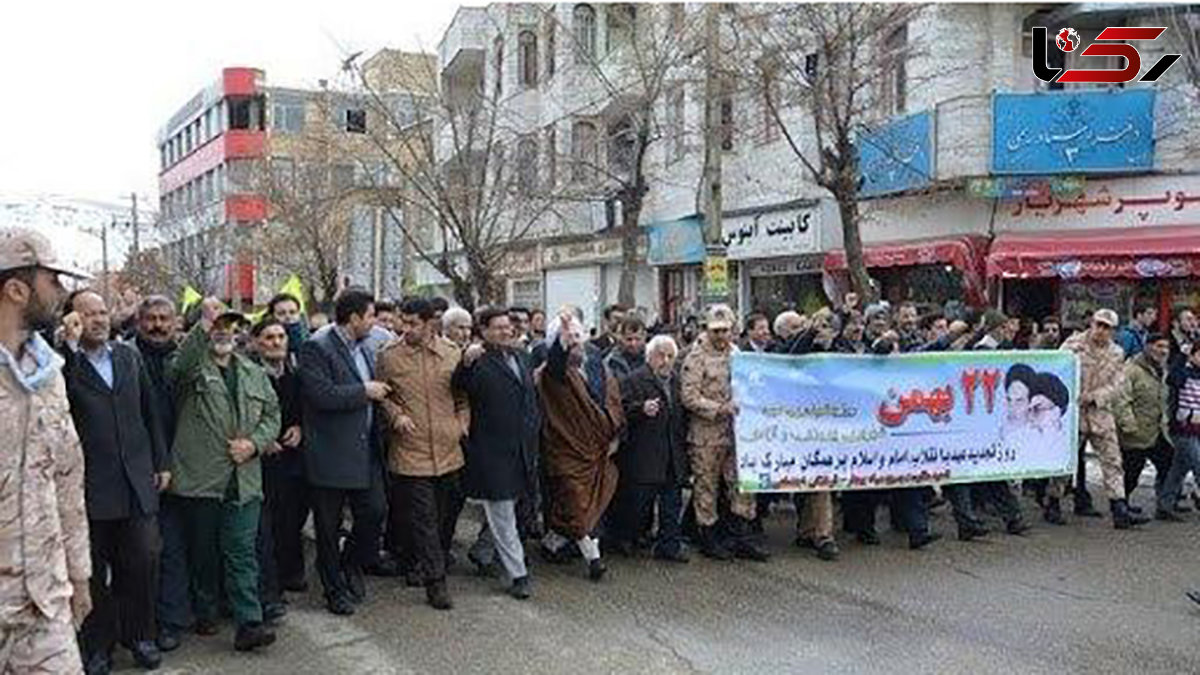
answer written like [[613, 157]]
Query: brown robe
[[576, 439]]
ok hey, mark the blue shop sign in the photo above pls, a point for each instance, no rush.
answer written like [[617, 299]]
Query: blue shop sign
[[897, 156], [1073, 132], [676, 242]]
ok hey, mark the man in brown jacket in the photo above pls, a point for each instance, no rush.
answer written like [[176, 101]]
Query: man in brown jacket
[[425, 426], [707, 392], [45, 558]]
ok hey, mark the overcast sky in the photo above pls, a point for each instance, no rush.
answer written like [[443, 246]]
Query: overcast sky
[[87, 84]]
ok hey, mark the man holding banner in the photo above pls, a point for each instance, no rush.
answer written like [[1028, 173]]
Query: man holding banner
[[708, 396], [1102, 378]]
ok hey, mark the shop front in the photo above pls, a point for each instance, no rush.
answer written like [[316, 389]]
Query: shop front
[[778, 251], [677, 251], [1120, 242], [928, 272], [587, 275]]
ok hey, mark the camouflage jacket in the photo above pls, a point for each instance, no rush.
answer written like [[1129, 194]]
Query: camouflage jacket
[[43, 519], [706, 386], [1101, 371]]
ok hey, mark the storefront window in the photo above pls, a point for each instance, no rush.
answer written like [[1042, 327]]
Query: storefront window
[[800, 292], [922, 284]]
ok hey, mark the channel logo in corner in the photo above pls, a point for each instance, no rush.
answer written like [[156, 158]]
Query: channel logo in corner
[[1112, 41]]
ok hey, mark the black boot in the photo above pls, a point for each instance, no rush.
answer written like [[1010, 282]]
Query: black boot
[[251, 636], [1084, 508], [743, 541], [711, 546], [1123, 519], [1053, 513], [437, 596]]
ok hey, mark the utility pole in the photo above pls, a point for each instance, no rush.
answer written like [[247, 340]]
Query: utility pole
[[716, 265], [133, 222]]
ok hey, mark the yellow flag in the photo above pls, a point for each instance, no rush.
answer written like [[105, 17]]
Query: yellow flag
[[190, 297], [294, 288]]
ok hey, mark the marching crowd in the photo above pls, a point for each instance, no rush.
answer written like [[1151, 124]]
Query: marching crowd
[[158, 475]]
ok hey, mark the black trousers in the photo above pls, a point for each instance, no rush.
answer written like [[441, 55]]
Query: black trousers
[[911, 510], [285, 511], [368, 508], [428, 512], [123, 584], [1134, 462]]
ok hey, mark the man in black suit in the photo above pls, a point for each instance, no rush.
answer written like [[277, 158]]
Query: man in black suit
[[653, 460], [156, 342], [342, 451], [502, 442], [125, 469]]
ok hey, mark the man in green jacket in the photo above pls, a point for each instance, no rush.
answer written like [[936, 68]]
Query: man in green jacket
[[1141, 412], [227, 415]]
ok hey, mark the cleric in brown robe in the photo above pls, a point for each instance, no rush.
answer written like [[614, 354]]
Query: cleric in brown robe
[[583, 420]]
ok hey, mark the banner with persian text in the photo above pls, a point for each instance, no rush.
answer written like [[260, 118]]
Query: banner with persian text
[[843, 422]]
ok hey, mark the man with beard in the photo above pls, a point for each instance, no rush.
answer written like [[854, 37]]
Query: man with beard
[[707, 393], [1101, 379], [584, 420], [228, 416], [285, 492], [629, 354], [125, 469], [285, 307], [456, 327], [1141, 412], [424, 426], [758, 333], [653, 461], [44, 547], [156, 332]]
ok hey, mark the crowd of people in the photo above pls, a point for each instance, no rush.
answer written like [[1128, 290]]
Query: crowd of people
[[164, 468]]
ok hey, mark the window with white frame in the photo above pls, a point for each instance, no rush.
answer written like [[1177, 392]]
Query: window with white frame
[[528, 57], [585, 33], [527, 165], [584, 151]]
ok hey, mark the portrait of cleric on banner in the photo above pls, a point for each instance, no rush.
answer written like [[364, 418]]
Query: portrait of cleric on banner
[[826, 422]]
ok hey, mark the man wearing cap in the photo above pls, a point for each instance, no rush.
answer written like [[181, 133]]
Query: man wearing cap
[[228, 415], [45, 559], [707, 393], [1101, 380]]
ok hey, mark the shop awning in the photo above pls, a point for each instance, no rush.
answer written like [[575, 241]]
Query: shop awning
[[1126, 253], [965, 252]]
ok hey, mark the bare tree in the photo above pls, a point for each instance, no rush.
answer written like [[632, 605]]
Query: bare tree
[[649, 54], [444, 177], [843, 65], [311, 194]]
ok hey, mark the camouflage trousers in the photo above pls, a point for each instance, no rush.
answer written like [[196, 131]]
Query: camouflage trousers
[[1100, 429], [30, 642], [712, 465]]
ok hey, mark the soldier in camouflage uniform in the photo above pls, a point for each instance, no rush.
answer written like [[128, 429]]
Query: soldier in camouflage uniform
[[1101, 380], [45, 559], [707, 393]]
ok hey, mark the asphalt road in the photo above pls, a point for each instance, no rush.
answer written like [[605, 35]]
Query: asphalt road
[[1082, 598]]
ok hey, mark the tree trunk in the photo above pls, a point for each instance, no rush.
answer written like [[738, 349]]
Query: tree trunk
[[631, 212], [856, 267]]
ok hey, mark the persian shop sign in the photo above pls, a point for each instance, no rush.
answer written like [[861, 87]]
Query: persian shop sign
[[1073, 132]]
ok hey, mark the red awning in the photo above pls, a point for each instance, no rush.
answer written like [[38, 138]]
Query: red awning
[[1129, 253], [964, 252]]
